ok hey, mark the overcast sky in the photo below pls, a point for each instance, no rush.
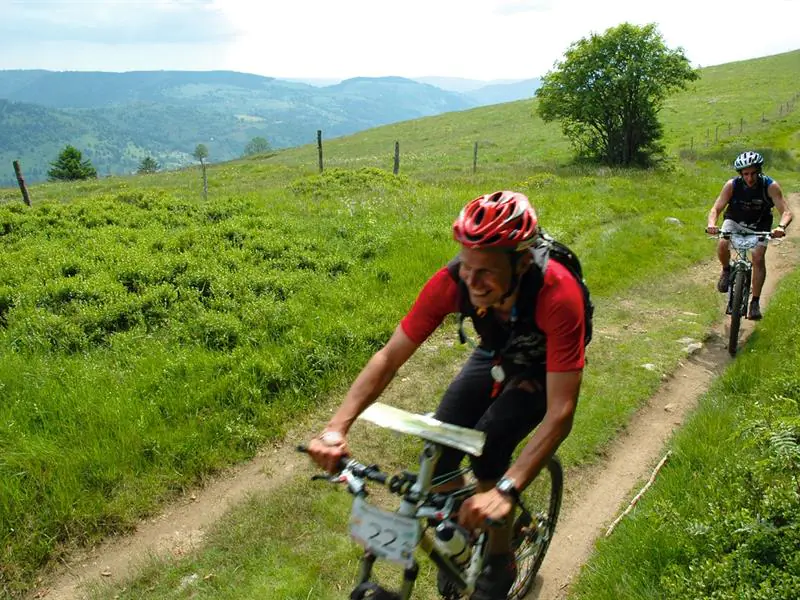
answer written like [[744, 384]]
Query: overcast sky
[[475, 39]]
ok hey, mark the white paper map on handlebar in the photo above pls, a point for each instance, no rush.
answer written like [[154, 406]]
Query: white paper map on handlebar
[[428, 428]]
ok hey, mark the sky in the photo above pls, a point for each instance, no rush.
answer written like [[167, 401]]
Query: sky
[[337, 39]]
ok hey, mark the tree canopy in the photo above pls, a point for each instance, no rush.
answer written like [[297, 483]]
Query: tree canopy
[[148, 165], [609, 89], [70, 166], [258, 145], [200, 153]]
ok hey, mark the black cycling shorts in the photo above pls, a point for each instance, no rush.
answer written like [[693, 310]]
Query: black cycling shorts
[[506, 420]]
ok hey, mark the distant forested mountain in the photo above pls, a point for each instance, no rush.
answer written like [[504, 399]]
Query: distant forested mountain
[[116, 119], [504, 92]]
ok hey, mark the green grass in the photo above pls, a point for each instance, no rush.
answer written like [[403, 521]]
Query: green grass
[[148, 339], [721, 520], [615, 386]]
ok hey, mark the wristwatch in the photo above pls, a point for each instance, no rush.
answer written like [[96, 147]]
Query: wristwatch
[[508, 487]]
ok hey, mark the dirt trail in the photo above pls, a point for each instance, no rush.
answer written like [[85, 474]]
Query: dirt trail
[[594, 495], [603, 492]]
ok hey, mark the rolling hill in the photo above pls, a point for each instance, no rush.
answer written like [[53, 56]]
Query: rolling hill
[[116, 119]]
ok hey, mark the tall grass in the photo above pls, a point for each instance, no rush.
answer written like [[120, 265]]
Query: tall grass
[[148, 338], [722, 519]]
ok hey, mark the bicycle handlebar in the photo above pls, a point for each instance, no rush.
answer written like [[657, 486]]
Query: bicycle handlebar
[[727, 234], [353, 473], [359, 470]]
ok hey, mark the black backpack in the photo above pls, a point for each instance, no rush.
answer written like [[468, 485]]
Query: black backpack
[[545, 248], [552, 248]]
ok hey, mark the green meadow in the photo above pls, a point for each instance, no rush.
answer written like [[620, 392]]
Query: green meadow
[[722, 519], [150, 339]]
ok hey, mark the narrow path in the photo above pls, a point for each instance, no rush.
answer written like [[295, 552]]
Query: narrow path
[[599, 491], [603, 491]]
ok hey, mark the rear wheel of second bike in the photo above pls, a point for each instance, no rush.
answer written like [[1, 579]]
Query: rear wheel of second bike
[[533, 532]]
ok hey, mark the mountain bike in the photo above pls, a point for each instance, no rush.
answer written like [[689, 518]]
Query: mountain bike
[[741, 244], [425, 520]]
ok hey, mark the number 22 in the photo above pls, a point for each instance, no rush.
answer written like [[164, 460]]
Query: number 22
[[392, 535]]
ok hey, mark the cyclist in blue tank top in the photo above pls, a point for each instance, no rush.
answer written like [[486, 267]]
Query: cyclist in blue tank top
[[748, 201]]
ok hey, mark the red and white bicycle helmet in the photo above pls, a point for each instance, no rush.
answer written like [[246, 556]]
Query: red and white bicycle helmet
[[503, 220], [748, 159]]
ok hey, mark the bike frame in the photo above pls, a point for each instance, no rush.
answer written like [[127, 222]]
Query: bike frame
[[416, 503], [740, 261], [740, 244], [394, 535]]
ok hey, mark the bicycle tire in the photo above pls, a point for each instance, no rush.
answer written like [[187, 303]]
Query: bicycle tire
[[737, 306], [542, 498]]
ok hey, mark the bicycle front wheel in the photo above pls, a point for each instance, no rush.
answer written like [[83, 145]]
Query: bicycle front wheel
[[533, 531], [737, 308]]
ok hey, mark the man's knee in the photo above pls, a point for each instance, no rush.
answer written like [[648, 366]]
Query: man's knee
[[759, 258]]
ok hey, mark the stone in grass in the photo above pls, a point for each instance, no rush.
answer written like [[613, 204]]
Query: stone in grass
[[693, 348]]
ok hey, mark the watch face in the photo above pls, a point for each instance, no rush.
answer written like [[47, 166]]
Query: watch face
[[506, 486]]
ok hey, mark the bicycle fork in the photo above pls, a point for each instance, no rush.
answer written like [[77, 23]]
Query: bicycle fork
[[364, 586]]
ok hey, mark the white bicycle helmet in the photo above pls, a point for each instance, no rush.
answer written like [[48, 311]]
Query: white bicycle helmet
[[748, 159]]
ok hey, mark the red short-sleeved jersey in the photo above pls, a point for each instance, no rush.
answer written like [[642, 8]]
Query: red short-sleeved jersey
[[559, 314]]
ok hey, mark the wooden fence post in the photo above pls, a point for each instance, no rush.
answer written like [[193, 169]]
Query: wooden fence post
[[319, 148], [691, 145], [21, 181], [475, 158], [741, 124], [396, 169], [205, 180], [716, 133]]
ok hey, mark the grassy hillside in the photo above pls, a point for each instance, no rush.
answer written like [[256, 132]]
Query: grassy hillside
[[148, 338]]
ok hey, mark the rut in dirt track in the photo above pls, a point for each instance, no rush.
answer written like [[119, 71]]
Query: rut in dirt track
[[593, 496]]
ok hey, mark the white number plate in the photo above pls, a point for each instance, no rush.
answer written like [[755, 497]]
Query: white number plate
[[386, 534]]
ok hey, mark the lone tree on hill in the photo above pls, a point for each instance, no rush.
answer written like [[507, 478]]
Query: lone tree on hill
[[608, 90], [70, 166], [201, 153], [148, 165], [258, 145]]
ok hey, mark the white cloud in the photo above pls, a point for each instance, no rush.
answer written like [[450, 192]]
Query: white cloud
[[477, 39], [133, 22]]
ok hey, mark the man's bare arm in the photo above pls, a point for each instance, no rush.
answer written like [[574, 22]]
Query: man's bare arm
[[720, 203], [562, 399]]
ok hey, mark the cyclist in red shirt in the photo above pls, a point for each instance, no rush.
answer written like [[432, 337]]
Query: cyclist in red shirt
[[526, 371]]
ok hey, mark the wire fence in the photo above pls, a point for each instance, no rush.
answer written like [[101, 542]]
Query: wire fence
[[722, 131]]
